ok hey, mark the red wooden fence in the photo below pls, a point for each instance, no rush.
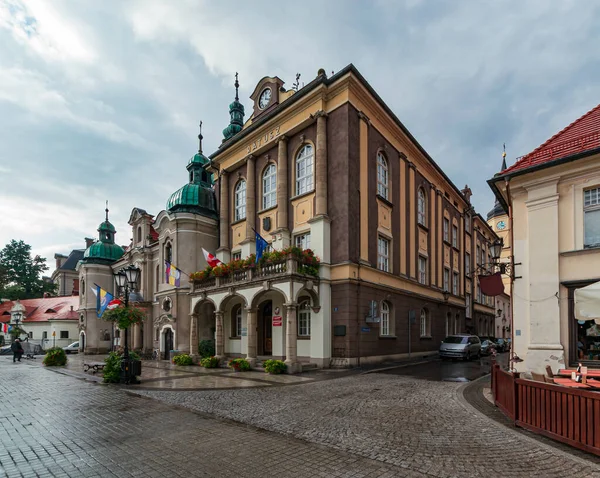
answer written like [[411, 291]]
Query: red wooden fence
[[568, 415]]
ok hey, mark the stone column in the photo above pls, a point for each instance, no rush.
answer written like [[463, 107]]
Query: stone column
[[251, 342], [193, 335], [137, 337], [250, 197], [224, 211], [291, 346], [219, 342], [282, 184], [321, 164]]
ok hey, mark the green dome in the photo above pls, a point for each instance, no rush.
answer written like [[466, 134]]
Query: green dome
[[194, 198], [198, 158], [103, 253]]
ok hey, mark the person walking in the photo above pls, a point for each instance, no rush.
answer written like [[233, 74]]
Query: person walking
[[17, 350]]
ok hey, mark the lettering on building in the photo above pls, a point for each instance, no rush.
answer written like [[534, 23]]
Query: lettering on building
[[263, 139]]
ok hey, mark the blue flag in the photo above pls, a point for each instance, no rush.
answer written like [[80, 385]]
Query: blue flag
[[102, 299], [261, 245]]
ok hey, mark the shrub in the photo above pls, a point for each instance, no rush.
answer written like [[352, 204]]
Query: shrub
[[112, 367], [124, 317], [183, 359], [206, 348], [55, 356], [209, 362], [275, 366], [239, 365]]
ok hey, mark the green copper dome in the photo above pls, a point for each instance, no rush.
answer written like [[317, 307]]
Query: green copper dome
[[236, 113], [104, 250]]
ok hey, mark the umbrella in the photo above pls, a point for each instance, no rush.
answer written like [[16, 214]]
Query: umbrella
[[587, 303]]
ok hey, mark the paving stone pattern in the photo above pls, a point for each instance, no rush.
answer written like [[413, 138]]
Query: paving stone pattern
[[54, 425], [412, 424]]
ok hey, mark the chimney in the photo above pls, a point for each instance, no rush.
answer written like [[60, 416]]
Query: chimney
[[467, 193], [88, 242]]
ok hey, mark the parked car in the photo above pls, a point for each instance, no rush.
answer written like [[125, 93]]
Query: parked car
[[5, 350], [487, 346], [72, 348], [460, 346], [501, 345]]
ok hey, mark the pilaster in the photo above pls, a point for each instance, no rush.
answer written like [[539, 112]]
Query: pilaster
[[219, 341], [224, 251], [251, 326], [291, 345], [250, 197], [321, 164]]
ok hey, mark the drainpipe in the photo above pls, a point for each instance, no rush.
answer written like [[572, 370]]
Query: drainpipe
[[512, 274]]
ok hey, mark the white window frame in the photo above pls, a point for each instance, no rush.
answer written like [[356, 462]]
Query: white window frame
[[446, 279], [304, 319], [424, 324], [467, 264], [455, 283], [477, 255], [385, 328], [421, 207], [237, 322], [269, 186], [468, 223], [304, 169], [302, 240], [382, 176], [240, 200], [236, 256], [446, 225], [422, 270], [383, 254], [454, 235], [468, 302]]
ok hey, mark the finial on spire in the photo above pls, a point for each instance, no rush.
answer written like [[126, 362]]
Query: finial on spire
[[296, 85], [106, 210], [503, 156], [237, 85], [200, 138]]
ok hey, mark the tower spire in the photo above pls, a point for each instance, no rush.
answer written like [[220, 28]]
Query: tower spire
[[200, 138], [106, 210], [503, 156], [237, 85], [236, 113]]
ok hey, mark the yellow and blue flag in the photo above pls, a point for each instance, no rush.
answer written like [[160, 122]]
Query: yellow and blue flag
[[103, 298], [172, 274]]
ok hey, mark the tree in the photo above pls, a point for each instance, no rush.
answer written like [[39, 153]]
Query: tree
[[20, 274]]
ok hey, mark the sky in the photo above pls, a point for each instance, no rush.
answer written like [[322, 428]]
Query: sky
[[101, 100]]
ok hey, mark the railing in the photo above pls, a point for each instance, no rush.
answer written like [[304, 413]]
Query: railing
[[272, 269], [569, 415]]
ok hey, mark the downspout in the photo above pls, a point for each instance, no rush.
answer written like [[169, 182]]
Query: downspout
[[512, 273]]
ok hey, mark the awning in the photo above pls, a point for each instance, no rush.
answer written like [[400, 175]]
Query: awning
[[587, 303]]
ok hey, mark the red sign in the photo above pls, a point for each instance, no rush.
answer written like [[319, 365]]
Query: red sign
[[277, 321]]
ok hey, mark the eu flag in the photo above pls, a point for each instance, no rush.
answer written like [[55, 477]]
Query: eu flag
[[261, 245]]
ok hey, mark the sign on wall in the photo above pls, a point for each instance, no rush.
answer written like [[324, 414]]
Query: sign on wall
[[277, 321]]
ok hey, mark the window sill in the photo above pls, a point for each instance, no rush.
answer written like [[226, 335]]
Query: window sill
[[267, 209], [585, 250], [303, 337], [426, 337], [423, 226], [387, 337], [298, 196], [235, 338], [447, 243], [384, 200], [238, 221]]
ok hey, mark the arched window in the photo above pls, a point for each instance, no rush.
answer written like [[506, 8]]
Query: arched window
[[425, 324], [304, 319], [269, 185], [168, 253], [421, 207], [82, 291], [386, 328], [240, 200], [382, 176], [157, 277], [236, 321], [304, 170], [139, 234]]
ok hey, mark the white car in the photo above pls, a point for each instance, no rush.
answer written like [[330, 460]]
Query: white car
[[72, 348]]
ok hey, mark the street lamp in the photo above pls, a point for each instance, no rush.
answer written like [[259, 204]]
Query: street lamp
[[17, 314], [126, 279], [496, 249], [446, 295]]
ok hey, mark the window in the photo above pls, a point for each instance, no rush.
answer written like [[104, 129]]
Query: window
[[425, 326], [240, 201], [30, 335], [454, 236], [269, 184], [157, 277], [447, 279], [467, 223], [455, 283], [236, 321], [385, 319], [44, 334], [304, 319], [139, 234], [591, 219], [383, 254], [467, 263], [477, 255], [237, 256], [446, 229], [64, 334], [421, 207], [422, 270], [168, 253], [478, 296], [303, 241], [382, 176], [468, 308], [304, 170]]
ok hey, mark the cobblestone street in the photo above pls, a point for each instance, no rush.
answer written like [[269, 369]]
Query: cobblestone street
[[375, 425]]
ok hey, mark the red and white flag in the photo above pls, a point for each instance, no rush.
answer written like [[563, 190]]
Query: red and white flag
[[113, 304], [210, 259], [4, 328]]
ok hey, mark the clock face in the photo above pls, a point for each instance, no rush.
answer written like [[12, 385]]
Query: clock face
[[265, 98], [501, 225]]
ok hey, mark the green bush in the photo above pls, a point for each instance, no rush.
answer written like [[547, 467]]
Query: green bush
[[209, 362], [275, 366], [206, 348], [55, 356], [239, 365], [112, 367], [183, 359]]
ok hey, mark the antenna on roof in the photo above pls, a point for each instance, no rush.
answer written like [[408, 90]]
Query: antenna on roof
[[237, 85], [200, 138], [297, 83]]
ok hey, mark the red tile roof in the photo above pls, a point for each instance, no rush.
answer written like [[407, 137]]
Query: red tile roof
[[153, 234], [42, 310], [580, 136]]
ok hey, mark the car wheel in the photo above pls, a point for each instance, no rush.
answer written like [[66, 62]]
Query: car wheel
[[468, 357], [67, 352]]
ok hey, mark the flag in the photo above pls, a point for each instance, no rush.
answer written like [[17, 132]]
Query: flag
[[173, 275], [103, 298], [5, 328], [211, 260], [113, 304], [261, 245]]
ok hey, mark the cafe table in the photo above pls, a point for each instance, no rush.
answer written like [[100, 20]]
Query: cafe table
[[567, 382], [567, 372]]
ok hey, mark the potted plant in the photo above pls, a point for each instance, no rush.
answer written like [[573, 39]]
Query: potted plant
[[239, 365], [275, 366]]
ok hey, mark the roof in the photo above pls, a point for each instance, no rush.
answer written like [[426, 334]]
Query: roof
[[581, 136], [75, 256], [42, 310]]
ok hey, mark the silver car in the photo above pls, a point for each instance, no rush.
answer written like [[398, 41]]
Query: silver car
[[461, 346]]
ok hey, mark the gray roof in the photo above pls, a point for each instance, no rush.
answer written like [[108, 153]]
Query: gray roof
[[71, 262]]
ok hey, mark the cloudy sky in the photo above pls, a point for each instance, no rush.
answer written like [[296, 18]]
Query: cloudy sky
[[101, 100]]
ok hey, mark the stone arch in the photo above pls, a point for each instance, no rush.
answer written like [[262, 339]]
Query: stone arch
[[229, 299], [314, 297], [203, 325], [168, 339], [264, 294]]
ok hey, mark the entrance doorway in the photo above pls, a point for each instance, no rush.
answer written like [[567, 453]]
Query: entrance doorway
[[168, 343], [265, 328]]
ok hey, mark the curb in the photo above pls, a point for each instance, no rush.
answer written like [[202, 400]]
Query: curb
[[402, 365]]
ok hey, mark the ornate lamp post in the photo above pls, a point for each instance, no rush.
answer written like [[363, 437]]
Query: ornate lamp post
[[17, 314], [126, 279]]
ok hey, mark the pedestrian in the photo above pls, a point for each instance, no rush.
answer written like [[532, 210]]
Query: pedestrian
[[17, 350]]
